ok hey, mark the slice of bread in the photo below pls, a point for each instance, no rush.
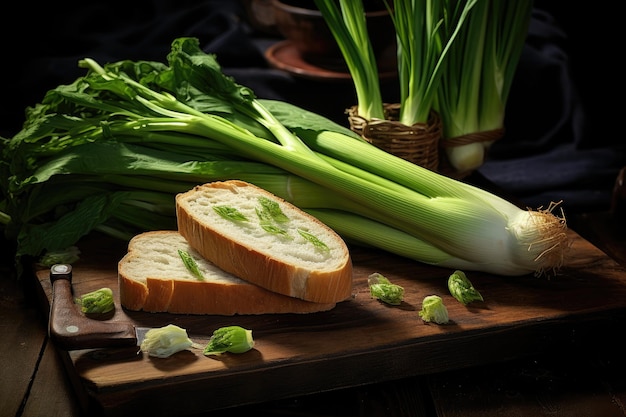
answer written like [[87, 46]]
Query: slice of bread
[[152, 277], [294, 263]]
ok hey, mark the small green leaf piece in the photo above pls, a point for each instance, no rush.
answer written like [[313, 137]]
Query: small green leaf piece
[[97, 302], [382, 289], [274, 230], [190, 264], [433, 310], [230, 213], [462, 289], [234, 339], [314, 240], [272, 209]]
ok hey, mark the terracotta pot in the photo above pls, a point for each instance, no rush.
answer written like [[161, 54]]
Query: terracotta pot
[[300, 22]]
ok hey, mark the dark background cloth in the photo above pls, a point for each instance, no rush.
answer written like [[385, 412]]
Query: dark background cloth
[[563, 138]]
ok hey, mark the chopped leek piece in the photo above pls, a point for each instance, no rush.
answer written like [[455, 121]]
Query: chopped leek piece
[[462, 289], [433, 310], [96, 302], [382, 289], [234, 339], [165, 341]]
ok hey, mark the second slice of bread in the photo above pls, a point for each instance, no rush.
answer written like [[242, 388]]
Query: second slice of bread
[[153, 278], [307, 260]]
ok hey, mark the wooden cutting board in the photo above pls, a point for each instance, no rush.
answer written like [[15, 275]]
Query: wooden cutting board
[[361, 341]]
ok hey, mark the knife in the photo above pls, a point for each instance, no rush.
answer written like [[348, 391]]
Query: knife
[[71, 330]]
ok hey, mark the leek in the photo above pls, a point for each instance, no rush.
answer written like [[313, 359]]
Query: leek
[[422, 46], [164, 341], [478, 74], [434, 310], [367, 195], [347, 22], [97, 302], [422, 49]]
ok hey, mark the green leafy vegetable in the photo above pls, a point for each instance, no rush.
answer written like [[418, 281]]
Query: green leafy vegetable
[[62, 256], [382, 289], [97, 302], [190, 264], [433, 310], [165, 341], [462, 289], [110, 151], [234, 339]]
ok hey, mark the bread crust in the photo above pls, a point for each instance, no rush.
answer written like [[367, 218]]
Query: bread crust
[[243, 259], [192, 296]]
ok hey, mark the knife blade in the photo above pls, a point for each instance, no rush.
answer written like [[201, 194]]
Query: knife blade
[[71, 330]]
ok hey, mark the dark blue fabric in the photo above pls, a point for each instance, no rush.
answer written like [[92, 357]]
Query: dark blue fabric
[[557, 145]]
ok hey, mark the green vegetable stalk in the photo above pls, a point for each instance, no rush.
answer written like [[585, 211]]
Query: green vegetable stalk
[[233, 339], [477, 77], [165, 341], [381, 288], [433, 310], [97, 302], [109, 152], [462, 289]]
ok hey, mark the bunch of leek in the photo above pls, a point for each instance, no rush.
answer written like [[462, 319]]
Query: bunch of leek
[[422, 46], [110, 151], [478, 74], [455, 57]]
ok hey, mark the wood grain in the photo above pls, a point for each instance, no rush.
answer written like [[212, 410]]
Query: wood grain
[[361, 341]]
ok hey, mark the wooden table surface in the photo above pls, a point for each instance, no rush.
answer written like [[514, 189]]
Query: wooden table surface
[[579, 378]]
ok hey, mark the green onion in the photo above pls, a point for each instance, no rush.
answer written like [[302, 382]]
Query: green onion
[[478, 74], [348, 24], [422, 45], [367, 195], [422, 50]]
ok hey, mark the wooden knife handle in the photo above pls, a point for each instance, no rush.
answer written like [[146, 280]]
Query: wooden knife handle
[[70, 329]]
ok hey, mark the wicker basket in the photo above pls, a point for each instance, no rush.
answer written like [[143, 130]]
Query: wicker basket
[[421, 144], [418, 143]]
